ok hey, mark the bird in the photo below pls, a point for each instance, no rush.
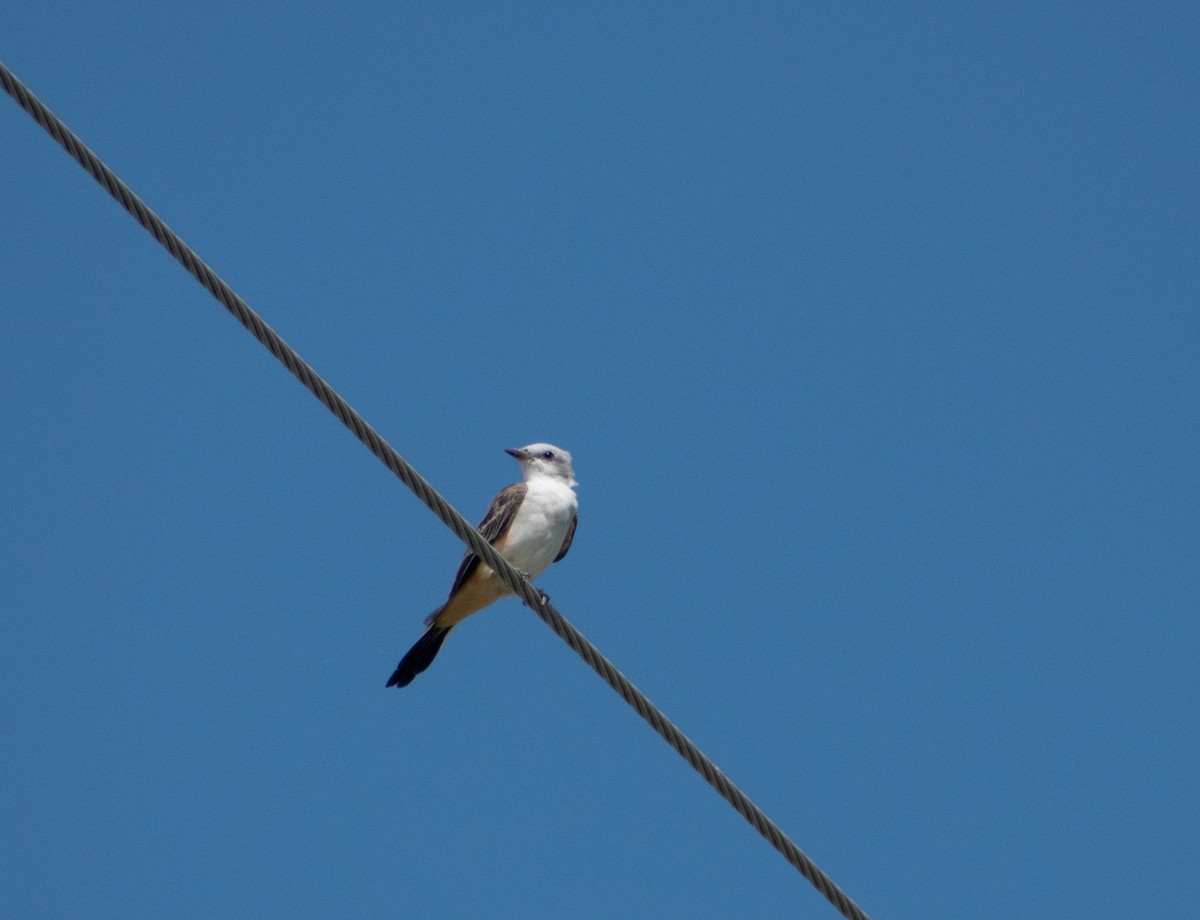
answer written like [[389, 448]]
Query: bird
[[530, 523]]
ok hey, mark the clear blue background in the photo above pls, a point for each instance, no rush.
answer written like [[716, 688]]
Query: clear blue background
[[873, 330]]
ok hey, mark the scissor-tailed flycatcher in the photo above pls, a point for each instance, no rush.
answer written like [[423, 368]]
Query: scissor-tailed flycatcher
[[530, 523]]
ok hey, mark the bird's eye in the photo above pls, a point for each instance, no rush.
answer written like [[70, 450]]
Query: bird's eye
[[548, 454]]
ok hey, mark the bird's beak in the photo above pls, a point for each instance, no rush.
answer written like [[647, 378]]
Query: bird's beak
[[516, 453]]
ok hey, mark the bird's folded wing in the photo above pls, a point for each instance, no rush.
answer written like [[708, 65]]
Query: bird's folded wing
[[569, 537], [495, 524]]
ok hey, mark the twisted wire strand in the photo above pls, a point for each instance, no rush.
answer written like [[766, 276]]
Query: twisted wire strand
[[429, 496]]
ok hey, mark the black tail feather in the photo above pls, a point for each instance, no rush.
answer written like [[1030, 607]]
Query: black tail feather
[[419, 657]]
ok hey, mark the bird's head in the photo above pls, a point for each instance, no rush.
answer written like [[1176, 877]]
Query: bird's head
[[544, 460]]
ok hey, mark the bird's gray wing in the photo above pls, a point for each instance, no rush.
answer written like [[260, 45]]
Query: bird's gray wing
[[495, 523], [569, 537]]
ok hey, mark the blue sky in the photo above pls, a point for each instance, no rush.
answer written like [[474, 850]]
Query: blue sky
[[873, 331]]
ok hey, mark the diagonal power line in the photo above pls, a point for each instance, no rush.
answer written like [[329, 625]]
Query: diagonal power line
[[425, 492]]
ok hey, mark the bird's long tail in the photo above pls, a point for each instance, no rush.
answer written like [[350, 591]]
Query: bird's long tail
[[420, 656]]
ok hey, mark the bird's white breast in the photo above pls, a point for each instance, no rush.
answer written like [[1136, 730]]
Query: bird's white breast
[[538, 531]]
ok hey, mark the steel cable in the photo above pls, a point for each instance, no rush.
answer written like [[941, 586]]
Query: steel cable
[[533, 598]]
